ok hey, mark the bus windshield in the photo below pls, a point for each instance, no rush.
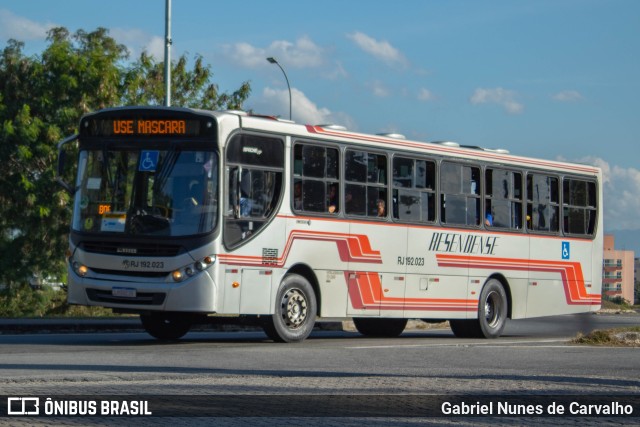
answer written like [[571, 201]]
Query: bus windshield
[[146, 192]]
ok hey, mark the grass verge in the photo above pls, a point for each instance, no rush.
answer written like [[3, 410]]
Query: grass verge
[[617, 337]]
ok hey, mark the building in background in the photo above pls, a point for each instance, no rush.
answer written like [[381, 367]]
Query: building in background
[[618, 278], [635, 273]]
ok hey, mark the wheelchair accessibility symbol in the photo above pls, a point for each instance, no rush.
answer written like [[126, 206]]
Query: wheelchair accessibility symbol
[[148, 161], [566, 250]]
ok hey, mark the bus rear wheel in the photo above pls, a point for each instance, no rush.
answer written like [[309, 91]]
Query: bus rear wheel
[[492, 314], [166, 326], [374, 327], [295, 311]]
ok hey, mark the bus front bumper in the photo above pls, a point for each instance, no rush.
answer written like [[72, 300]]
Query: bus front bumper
[[194, 294]]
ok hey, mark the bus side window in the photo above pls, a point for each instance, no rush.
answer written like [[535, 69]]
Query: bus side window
[[413, 190], [366, 188], [460, 194], [543, 203], [503, 198], [315, 187]]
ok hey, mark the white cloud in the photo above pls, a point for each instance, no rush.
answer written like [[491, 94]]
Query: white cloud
[[568, 96], [425, 95], [303, 53], [500, 96], [155, 48], [621, 187], [379, 89], [276, 101], [246, 55], [16, 27], [382, 50], [338, 72], [137, 41]]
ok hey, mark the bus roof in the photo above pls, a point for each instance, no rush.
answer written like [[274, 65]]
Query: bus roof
[[396, 141]]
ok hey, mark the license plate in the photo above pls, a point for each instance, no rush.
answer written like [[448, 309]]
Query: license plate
[[123, 292]]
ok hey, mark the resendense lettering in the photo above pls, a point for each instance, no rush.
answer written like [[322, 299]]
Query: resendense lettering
[[463, 243]]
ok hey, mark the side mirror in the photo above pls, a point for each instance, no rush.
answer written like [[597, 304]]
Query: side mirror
[[62, 157], [62, 154]]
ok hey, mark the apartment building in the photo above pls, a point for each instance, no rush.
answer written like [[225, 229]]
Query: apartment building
[[618, 279], [636, 270]]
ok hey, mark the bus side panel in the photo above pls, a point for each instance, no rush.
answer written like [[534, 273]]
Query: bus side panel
[[230, 289], [559, 274], [376, 278], [502, 255], [333, 292], [255, 293], [436, 285], [323, 245]]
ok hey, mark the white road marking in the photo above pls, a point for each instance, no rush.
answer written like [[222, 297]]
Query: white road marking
[[467, 344]]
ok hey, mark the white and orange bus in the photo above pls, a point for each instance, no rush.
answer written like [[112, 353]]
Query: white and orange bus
[[187, 216]]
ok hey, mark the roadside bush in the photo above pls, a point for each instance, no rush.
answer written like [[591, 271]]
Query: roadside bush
[[621, 301], [22, 301], [616, 303], [60, 308]]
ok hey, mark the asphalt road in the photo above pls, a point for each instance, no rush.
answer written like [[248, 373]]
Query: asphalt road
[[532, 357]]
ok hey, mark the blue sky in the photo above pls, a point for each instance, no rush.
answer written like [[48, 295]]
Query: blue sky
[[556, 79]]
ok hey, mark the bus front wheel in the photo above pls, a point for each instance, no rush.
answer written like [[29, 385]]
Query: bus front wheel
[[295, 311], [166, 326]]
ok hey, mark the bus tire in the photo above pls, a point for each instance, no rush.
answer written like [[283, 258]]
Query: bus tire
[[463, 328], [295, 311], [492, 314], [375, 327], [492, 310], [166, 326]]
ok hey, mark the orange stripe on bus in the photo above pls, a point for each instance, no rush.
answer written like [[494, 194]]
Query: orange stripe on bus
[[570, 272]]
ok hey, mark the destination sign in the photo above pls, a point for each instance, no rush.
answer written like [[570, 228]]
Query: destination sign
[[151, 127]]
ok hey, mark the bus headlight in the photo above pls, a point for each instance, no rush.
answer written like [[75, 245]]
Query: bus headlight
[[80, 269], [193, 269]]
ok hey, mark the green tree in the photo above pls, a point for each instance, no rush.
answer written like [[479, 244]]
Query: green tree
[[42, 98]]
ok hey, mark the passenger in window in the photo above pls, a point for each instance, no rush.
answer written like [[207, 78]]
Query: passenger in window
[[381, 205], [297, 196], [488, 218], [333, 198], [348, 202], [245, 205]]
